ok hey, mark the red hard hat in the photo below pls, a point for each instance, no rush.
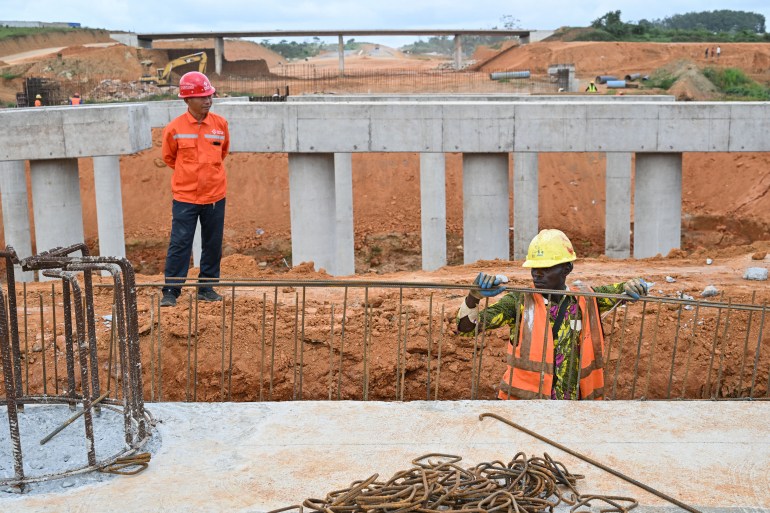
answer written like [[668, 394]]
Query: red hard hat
[[195, 84]]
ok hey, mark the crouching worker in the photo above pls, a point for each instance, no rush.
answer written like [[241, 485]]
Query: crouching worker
[[564, 360]]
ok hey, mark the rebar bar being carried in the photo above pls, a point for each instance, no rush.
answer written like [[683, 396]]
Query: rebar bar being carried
[[82, 363], [436, 482]]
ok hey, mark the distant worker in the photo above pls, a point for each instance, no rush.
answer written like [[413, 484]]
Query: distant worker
[[719, 52], [712, 52], [38, 101], [195, 145], [707, 53], [75, 100], [591, 87], [556, 349]]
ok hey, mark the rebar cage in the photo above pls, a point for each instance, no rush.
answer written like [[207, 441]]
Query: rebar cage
[[83, 385]]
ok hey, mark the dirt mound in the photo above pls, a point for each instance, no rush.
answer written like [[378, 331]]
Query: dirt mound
[[620, 59], [691, 84], [14, 45], [235, 50], [117, 62]]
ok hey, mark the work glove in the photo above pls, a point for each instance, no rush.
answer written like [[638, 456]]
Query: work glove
[[635, 288], [489, 284]]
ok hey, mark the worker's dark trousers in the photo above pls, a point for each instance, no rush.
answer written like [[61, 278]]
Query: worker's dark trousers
[[184, 218]]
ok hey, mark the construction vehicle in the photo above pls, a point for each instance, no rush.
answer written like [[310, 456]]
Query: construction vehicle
[[163, 75]]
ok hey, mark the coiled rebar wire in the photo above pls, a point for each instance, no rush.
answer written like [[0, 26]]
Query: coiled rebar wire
[[437, 483]]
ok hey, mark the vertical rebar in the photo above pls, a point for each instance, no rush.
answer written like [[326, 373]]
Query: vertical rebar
[[302, 346], [366, 345], [195, 354], [746, 345], [673, 351], [230, 365], [10, 391], [430, 343], [620, 351], [160, 355], [342, 343], [689, 348], [222, 354], [513, 340], [544, 350], [481, 348], [406, 340], [331, 352], [152, 349], [756, 354], [638, 350], [296, 331], [707, 388], [609, 338], [26, 339], [438, 354], [272, 348], [112, 346], [189, 347], [55, 352], [653, 346], [400, 334], [722, 351], [262, 351], [42, 342]]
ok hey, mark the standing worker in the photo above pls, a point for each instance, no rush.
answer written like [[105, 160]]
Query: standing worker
[[75, 100], [38, 100], [591, 87], [719, 52], [564, 361], [195, 145]]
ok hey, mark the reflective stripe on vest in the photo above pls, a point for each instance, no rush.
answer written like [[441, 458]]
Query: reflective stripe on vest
[[185, 136], [529, 373]]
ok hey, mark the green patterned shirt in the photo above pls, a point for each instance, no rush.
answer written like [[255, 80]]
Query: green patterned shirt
[[566, 358]]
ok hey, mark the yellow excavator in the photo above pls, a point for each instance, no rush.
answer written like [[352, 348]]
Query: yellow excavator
[[163, 77]]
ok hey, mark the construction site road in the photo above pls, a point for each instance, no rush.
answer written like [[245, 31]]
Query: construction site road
[[255, 457]]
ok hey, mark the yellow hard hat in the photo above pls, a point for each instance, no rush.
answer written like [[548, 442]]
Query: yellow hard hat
[[549, 248], [38, 97]]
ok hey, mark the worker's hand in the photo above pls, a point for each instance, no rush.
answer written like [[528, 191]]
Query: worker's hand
[[635, 288], [489, 285]]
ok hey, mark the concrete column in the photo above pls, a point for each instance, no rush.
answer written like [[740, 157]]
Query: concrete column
[[341, 52], [524, 40], [313, 209], [219, 54], [56, 203], [458, 51], [345, 261], [13, 187], [433, 210], [485, 206], [109, 207], [617, 206], [657, 203], [197, 245], [525, 202]]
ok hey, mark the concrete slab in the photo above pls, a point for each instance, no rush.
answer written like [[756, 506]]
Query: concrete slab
[[252, 457], [476, 97]]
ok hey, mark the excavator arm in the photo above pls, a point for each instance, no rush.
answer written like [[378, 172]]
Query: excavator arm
[[163, 77]]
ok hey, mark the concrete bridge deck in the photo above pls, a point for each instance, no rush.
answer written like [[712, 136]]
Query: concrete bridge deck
[[253, 457]]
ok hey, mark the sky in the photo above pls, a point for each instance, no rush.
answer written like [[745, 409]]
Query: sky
[[147, 16]]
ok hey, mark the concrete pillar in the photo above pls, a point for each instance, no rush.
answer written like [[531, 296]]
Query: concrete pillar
[[617, 206], [13, 187], [485, 206], [109, 207], [525, 202], [56, 204], [433, 210], [458, 52], [657, 203], [341, 52], [197, 245], [144, 43], [219, 54], [313, 209], [524, 40], [345, 261]]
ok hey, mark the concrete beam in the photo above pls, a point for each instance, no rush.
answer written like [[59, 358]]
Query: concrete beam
[[433, 210], [64, 132], [617, 206], [345, 258], [109, 207], [485, 127], [162, 113], [485, 207], [525, 202], [56, 204], [16, 227], [657, 204], [472, 97], [458, 51], [219, 54], [313, 209]]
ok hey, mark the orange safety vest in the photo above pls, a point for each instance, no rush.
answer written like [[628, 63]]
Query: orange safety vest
[[74, 101], [530, 371], [196, 151]]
